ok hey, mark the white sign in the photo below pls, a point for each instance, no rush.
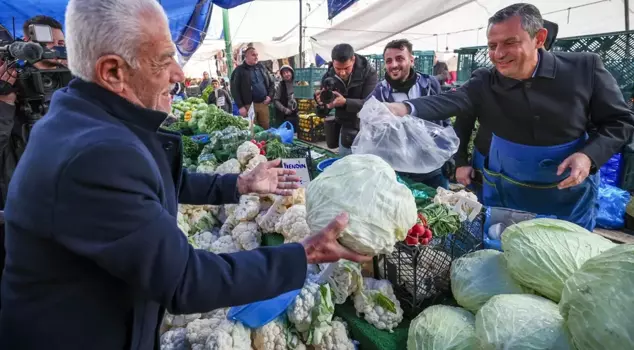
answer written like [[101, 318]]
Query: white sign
[[300, 167]]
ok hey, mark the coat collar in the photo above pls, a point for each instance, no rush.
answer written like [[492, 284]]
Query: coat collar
[[117, 106], [546, 68]]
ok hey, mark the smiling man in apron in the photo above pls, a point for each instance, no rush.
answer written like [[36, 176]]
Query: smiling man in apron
[[540, 107]]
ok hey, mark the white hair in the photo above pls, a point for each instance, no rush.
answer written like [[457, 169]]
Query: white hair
[[95, 28]]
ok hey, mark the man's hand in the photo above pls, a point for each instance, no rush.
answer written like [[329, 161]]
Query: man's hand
[[339, 100], [243, 111], [266, 178], [324, 248], [398, 109], [8, 76], [318, 97], [464, 174], [579, 165], [267, 100]]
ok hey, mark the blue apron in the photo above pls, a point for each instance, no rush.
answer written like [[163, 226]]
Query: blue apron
[[525, 178], [477, 163]]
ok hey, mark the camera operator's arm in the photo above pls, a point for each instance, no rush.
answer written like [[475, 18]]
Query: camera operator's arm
[[354, 105]]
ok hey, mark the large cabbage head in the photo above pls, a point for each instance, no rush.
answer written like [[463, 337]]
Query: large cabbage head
[[381, 210], [520, 322], [478, 276], [597, 301], [542, 253], [441, 327]]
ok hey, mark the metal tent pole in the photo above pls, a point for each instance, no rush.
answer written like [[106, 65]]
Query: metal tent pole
[[226, 28]]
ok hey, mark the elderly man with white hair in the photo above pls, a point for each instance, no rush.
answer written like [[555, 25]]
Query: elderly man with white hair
[[94, 255]]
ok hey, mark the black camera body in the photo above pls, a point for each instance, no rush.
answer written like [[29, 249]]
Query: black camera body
[[326, 95]]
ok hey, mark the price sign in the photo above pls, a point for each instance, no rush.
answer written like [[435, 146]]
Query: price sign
[[300, 167]]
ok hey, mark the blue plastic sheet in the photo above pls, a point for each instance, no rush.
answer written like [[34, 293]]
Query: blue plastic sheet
[[612, 203], [335, 7], [610, 172]]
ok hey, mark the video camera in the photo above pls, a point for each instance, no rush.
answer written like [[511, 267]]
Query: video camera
[[34, 87], [326, 95]]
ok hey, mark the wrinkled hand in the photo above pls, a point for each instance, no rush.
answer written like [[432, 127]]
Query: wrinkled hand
[[397, 108], [243, 111], [8, 75], [339, 100], [579, 165], [267, 100], [324, 247], [265, 178], [464, 174]]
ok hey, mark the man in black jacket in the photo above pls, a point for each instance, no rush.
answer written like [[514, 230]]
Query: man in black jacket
[[352, 80], [536, 107], [252, 83]]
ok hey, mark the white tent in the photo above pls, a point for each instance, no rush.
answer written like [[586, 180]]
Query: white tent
[[446, 25]]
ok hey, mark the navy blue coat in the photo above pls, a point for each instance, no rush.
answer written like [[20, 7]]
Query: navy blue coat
[[94, 255]]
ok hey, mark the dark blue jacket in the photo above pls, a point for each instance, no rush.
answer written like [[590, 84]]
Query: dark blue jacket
[[94, 255]]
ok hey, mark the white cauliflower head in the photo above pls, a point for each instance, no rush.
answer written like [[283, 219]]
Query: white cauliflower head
[[182, 223], [312, 311], [248, 208], [224, 245], [232, 166], [336, 338], [229, 335], [175, 339], [269, 218], [228, 226], [203, 240], [179, 320], [298, 197], [247, 235], [293, 224], [255, 161], [377, 302], [247, 151], [270, 336], [345, 280]]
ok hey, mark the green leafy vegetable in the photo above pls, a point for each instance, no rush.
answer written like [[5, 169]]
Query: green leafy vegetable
[[276, 149], [191, 149], [441, 219], [385, 302]]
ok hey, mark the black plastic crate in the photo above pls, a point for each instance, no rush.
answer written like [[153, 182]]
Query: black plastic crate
[[420, 274]]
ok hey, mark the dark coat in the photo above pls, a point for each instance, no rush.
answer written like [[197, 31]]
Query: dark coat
[[241, 84], [212, 99], [94, 255], [570, 92]]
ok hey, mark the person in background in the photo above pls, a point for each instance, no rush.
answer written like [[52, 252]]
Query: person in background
[[178, 92], [252, 83], [91, 228], [403, 83], [353, 80], [205, 82], [441, 71], [285, 102], [542, 157], [220, 97]]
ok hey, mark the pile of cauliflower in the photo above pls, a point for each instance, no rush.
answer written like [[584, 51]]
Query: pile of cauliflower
[[308, 322]]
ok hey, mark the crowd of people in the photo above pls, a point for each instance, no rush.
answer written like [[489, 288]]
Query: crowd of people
[[90, 204]]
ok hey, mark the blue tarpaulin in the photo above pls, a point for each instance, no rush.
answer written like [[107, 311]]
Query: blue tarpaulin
[[335, 7], [188, 19], [228, 4]]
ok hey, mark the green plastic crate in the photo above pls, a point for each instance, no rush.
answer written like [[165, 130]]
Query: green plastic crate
[[424, 62], [310, 75]]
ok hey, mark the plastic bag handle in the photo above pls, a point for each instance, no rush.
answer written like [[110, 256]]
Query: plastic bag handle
[[287, 125]]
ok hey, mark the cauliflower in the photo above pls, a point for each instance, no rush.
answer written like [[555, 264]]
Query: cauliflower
[[199, 330], [181, 222], [345, 280], [229, 209], [175, 339], [271, 336], [229, 335], [203, 240], [179, 320], [224, 245], [206, 167], [247, 151], [255, 161], [336, 338], [248, 208], [312, 310], [298, 197], [228, 226], [293, 224], [232, 166], [247, 235], [269, 218], [378, 304]]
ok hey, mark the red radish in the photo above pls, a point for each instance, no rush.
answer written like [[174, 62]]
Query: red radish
[[427, 233], [425, 241], [409, 240], [418, 229]]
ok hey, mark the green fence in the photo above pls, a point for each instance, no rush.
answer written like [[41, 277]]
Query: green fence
[[423, 62], [615, 49]]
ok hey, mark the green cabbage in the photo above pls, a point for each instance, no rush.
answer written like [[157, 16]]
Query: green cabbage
[[542, 253], [381, 209], [597, 301], [478, 276], [521, 322], [442, 327]]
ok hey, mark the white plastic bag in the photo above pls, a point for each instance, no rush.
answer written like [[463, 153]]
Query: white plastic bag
[[408, 144]]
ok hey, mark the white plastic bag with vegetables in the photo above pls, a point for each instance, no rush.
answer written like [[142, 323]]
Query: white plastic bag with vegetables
[[408, 144]]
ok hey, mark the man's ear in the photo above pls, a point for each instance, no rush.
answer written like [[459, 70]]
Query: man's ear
[[541, 37], [110, 73]]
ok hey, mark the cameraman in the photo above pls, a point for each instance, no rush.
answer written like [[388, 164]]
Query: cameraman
[[352, 79], [13, 126]]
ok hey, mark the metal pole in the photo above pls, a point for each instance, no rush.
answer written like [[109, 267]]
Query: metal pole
[[228, 50], [627, 14], [301, 35]]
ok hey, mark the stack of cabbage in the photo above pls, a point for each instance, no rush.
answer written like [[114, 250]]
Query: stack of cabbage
[[556, 286]]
